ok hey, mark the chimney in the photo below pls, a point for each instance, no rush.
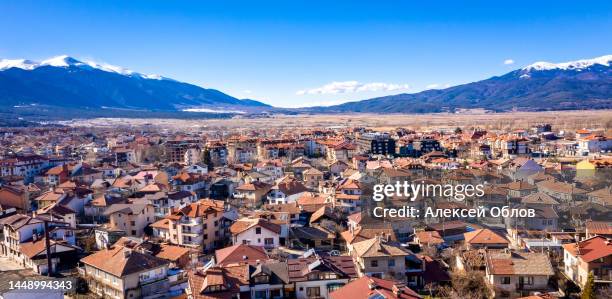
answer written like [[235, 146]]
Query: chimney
[[372, 284], [397, 289]]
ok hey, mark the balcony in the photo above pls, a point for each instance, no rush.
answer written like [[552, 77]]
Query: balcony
[[605, 277], [189, 222], [192, 232]]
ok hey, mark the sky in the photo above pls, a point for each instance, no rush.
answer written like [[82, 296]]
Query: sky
[[306, 53]]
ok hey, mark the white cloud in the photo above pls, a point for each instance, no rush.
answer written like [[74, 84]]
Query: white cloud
[[247, 91], [508, 61], [352, 86], [433, 86]]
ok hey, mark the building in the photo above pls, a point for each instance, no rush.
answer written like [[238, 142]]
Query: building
[[591, 255], [484, 238], [317, 277], [376, 143], [196, 225], [514, 273], [373, 287], [121, 272], [258, 232], [131, 218], [377, 257]]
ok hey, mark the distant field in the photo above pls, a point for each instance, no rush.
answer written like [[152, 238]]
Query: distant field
[[492, 121]]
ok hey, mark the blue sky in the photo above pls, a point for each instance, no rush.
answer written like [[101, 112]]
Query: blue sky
[[290, 53]]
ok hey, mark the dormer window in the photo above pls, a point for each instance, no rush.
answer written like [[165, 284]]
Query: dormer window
[[261, 278]]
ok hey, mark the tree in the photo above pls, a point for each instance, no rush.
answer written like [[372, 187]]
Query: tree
[[206, 159], [588, 291]]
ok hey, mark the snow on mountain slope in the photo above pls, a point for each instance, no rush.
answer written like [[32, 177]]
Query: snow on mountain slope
[[571, 65], [67, 61]]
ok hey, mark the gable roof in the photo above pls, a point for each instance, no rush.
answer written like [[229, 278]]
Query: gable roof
[[370, 287], [518, 263], [240, 253], [376, 247], [484, 236], [120, 264], [590, 249], [245, 224]]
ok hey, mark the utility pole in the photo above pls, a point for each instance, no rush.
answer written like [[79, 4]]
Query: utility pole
[[48, 248]]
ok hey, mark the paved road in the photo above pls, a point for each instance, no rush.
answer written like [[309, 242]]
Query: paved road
[[7, 265]]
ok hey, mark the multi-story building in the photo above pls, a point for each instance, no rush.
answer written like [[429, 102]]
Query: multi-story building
[[132, 218], [175, 149], [377, 257], [26, 166], [120, 272], [196, 225], [590, 255], [376, 143]]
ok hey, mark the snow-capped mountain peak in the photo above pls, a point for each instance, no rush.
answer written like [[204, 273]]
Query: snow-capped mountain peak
[[67, 61], [571, 65], [17, 63], [61, 61]]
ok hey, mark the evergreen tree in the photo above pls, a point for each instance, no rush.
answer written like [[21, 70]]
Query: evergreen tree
[[588, 291]]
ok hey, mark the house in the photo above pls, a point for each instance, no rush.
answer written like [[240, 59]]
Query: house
[[377, 257], [252, 194], [591, 255], [601, 196], [97, 206], [259, 232], [348, 195], [33, 255], [240, 253], [484, 238], [598, 228], [196, 225], [285, 190], [130, 217], [362, 233], [122, 272], [16, 229], [545, 219], [240, 280], [428, 238], [24, 243], [318, 276], [560, 190], [312, 177], [373, 287], [512, 273], [17, 197]]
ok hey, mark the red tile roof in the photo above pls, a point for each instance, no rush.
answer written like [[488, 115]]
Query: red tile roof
[[367, 287], [590, 249]]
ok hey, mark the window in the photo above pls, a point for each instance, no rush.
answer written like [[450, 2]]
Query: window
[[313, 292], [392, 263], [505, 280], [373, 263], [258, 230], [527, 280], [269, 241], [132, 223]]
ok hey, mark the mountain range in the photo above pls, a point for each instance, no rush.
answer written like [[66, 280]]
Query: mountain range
[[64, 81], [88, 89], [581, 84]]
